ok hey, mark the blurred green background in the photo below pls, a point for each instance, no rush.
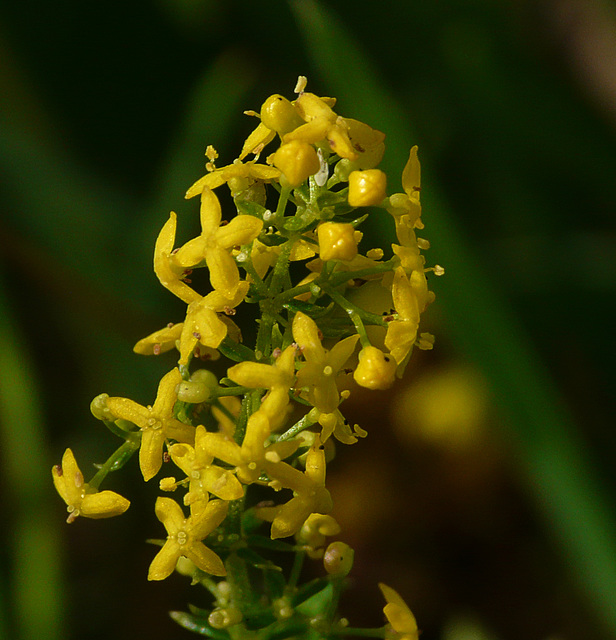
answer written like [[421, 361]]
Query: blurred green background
[[486, 491]]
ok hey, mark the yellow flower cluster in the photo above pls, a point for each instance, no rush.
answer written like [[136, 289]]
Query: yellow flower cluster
[[270, 419]]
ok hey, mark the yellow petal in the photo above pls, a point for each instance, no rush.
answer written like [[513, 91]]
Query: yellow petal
[[205, 559], [165, 560], [103, 504], [241, 230], [411, 175]]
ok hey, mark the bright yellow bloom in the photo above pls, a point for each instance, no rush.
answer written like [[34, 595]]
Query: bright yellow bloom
[[167, 270], [184, 536], [257, 140], [297, 160], [367, 188], [80, 498], [214, 243], [402, 332], [264, 256], [156, 422], [203, 325], [398, 614], [309, 493], [249, 458], [321, 123], [279, 378], [375, 369], [240, 175], [160, 341], [337, 241], [205, 477], [321, 367]]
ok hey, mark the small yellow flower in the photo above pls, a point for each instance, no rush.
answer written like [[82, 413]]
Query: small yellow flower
[[321, 123], [160, 341], [168, 272], [205, 477], [297, 160], [367, 188], [337, 241], [214, 243], [321, 367], [184, 536], [249, 458], [203, 325], [279, 378], [156, 422], [240, 175], [399, 616], [80, 498], [260, 137], [309, 493], [375, 369]]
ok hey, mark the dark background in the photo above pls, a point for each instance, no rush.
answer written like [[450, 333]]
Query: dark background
[[485, 491]]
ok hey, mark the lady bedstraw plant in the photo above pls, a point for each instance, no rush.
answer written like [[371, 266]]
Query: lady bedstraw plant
[[270, 423]]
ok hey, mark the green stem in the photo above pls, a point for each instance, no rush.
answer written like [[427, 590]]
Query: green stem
[[354, 314], [298, 427], [117, 459]]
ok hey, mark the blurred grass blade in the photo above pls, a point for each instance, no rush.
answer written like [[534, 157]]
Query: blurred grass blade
[[561, 475], [35, 590]]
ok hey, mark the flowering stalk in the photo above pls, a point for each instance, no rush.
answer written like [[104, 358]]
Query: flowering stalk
[[271, 421]]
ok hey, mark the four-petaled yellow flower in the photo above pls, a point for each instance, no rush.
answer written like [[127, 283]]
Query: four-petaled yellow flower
[[399, 616], [81, 499], [319, 371], [309, 492], [278, 378], [321, 123], [205, 477], [184, 536], [203, 325], [249, 457], [156, 422], [215, 242], [402, 332]]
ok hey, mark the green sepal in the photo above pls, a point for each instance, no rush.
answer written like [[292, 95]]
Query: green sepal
[[123, 458], [256, 560], [312, 310], [308, 591], [248, 208], [318, 604], [236, 351], [198, 624], [263, 542], [275, 584]]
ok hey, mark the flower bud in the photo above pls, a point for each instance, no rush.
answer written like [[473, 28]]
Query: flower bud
[[297, 160], [99, 409], [375, 369], [338, 559], [337, 241], [223, 618], [193, 392], [279, 114], [367, 188]]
